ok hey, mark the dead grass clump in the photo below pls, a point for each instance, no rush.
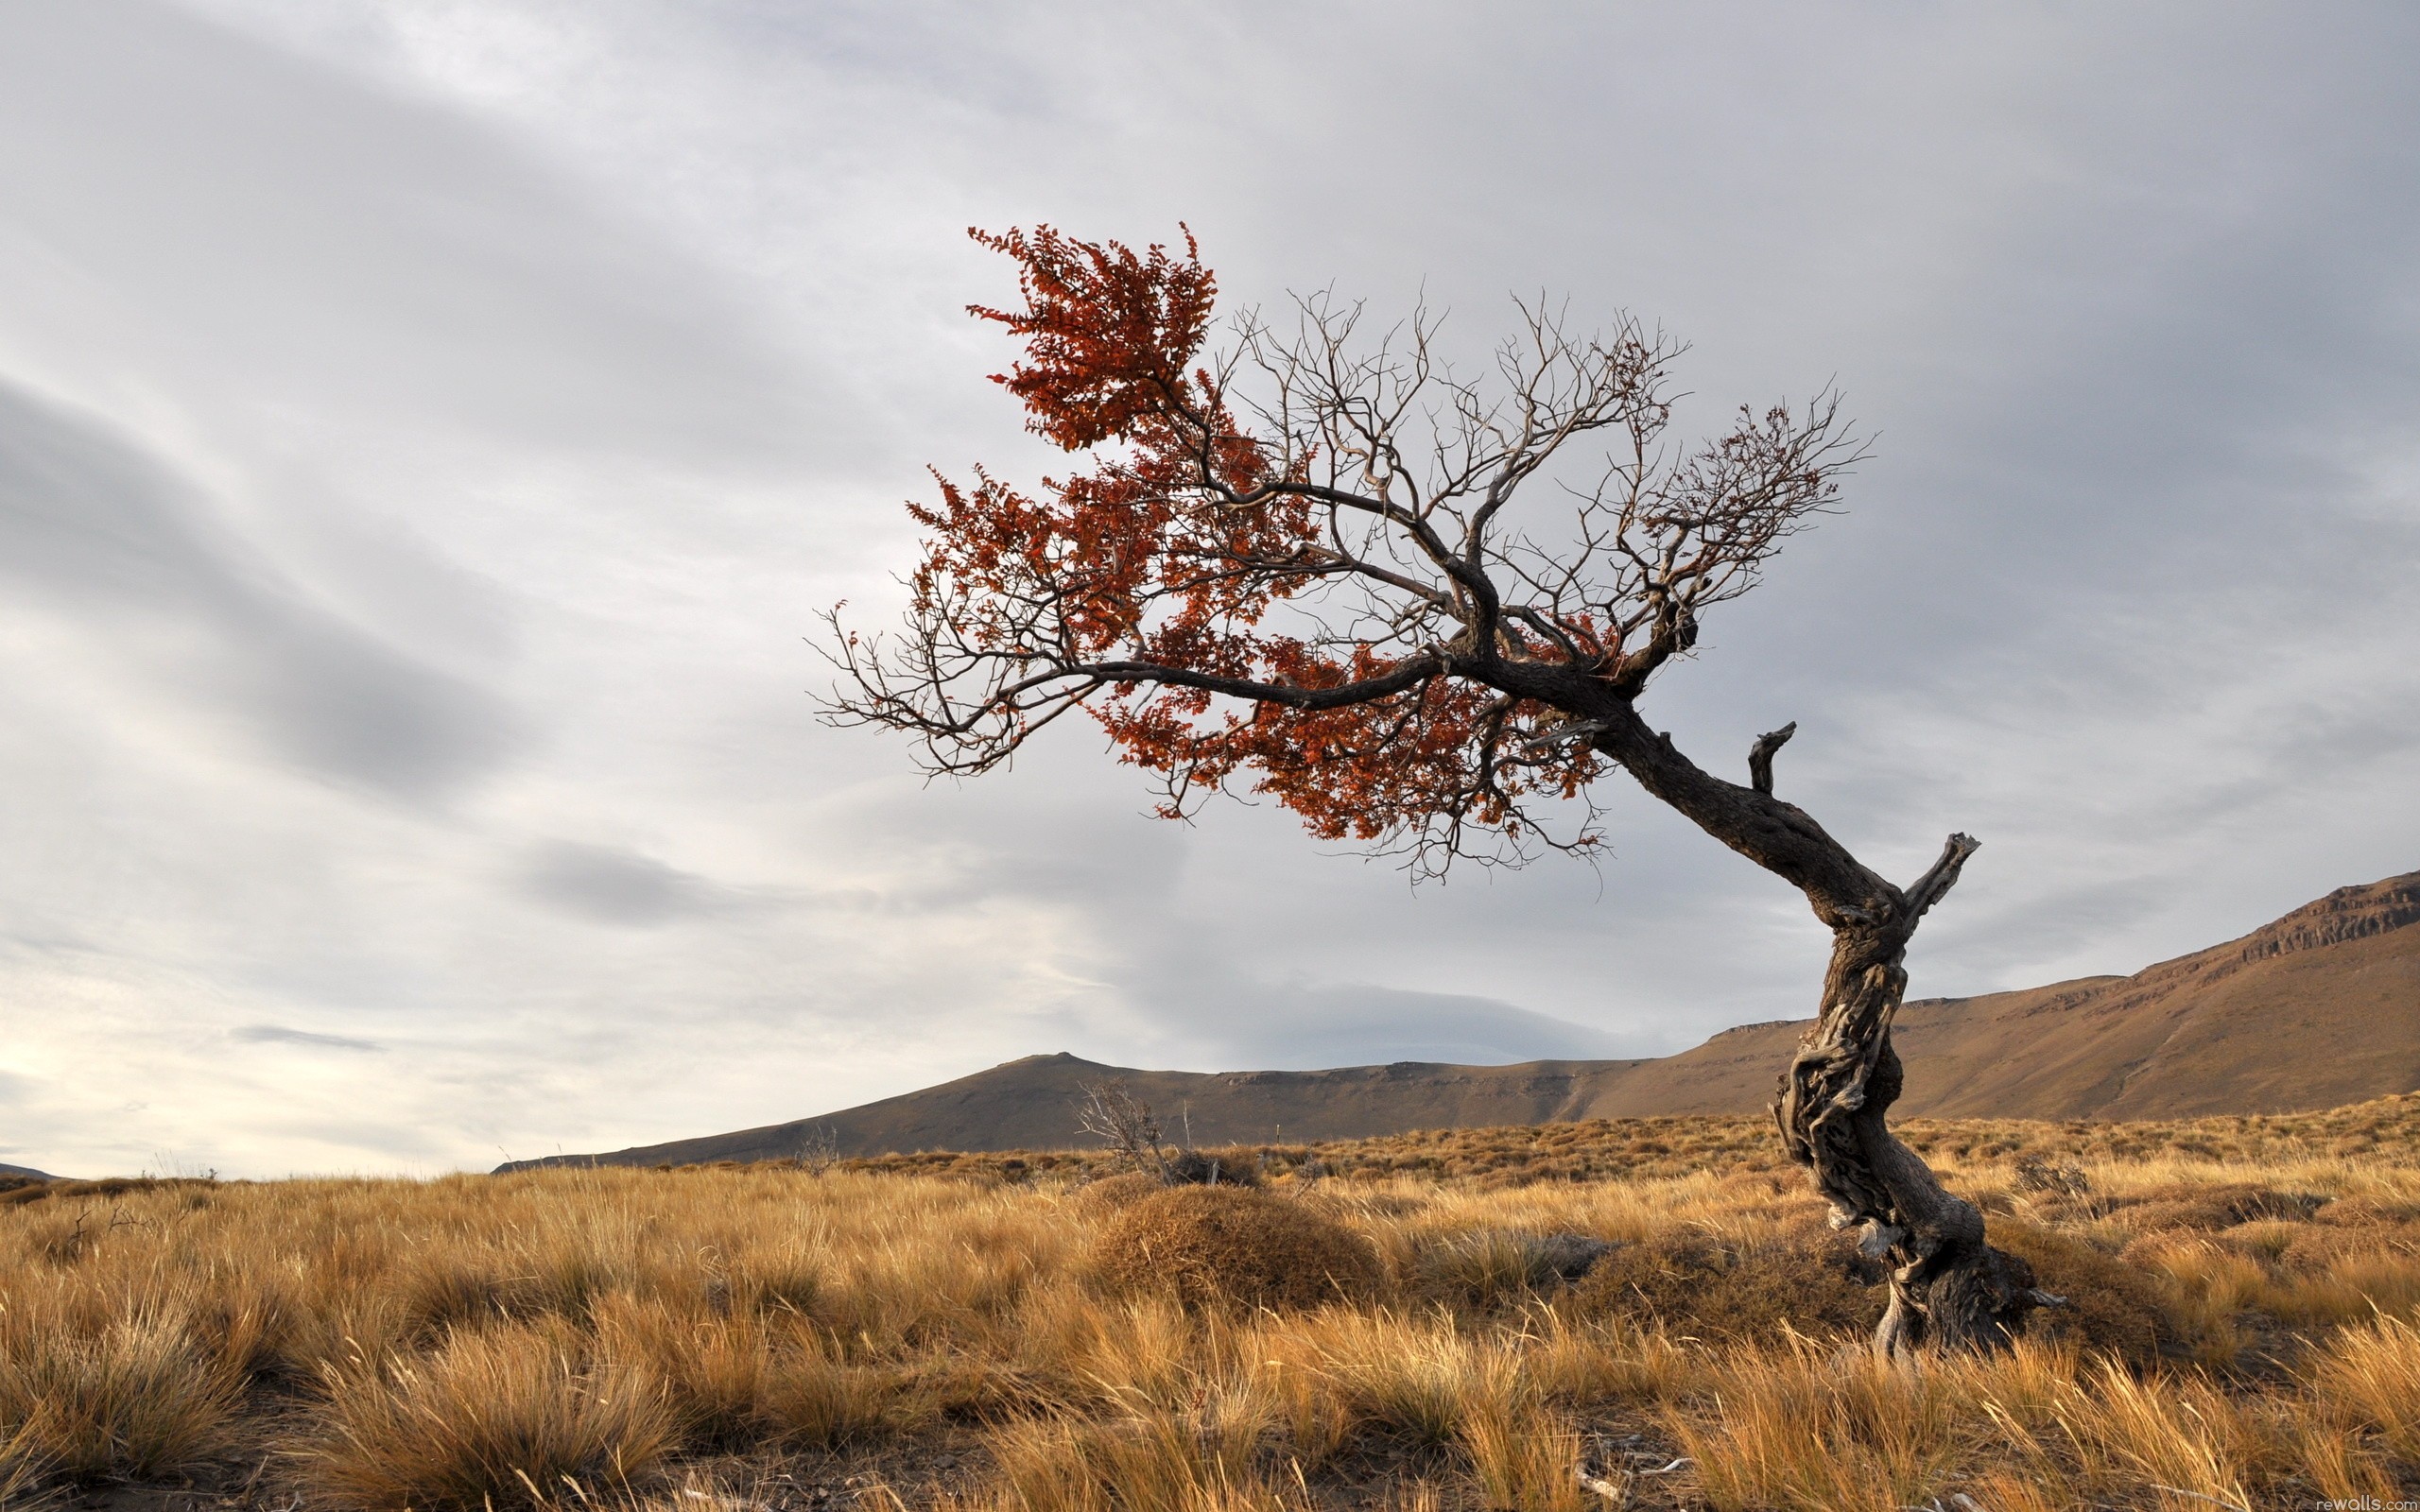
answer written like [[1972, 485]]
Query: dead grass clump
[[2113, 1308], [1797, 1428], [2212, 1206], [136, 1397], [2185, 1435], [1235, 1245], [2369, 1377], [1138, 1462], [2369, 1213], [1697, 1284], [507, 1416], [741, 1380], [1114, 1194], [1494, 1268]]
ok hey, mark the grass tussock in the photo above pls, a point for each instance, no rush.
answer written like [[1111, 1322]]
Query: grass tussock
[[134, 1395], [514, 1415], [1234, 1246], [2243, 1329], [1714, 1287]]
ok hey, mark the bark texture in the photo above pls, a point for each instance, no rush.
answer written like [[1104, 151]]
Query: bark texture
[[1949, 1288]]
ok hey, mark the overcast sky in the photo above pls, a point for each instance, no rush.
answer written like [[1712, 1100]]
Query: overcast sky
[[428, 430]]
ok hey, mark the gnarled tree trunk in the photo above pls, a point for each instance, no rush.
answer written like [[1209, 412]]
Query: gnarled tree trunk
[[1950, 1289]]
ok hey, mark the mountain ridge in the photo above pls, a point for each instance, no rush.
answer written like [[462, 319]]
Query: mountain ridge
[[2317, 1009]]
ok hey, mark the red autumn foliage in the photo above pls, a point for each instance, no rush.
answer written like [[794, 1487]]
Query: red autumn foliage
[[1280, 595]]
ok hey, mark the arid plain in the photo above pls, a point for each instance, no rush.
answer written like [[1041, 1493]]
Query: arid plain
[[1004, 1332]]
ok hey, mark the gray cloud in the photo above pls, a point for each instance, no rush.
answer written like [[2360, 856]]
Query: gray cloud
[[274, 1034], [615, 886], [106, 534], [347, 249], [1294, 1027]]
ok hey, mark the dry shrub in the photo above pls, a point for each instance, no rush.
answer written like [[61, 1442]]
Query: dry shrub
[[137, 1397], [507, 1417], [1236, 1245], [2113, 1308], [1697, 1284]]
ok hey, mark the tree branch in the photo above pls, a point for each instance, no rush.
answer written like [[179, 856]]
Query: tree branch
[[1928, 888], [1760, 756]]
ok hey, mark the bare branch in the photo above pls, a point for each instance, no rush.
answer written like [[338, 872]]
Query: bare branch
[[1112, 1113], [1760, 756], [1929, 888]]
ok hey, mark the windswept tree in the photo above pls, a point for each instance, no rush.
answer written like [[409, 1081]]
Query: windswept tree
[[1310, 565]]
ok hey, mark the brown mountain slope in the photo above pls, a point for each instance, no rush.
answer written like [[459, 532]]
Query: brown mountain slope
[[2317, 1009], [1030, 1104]]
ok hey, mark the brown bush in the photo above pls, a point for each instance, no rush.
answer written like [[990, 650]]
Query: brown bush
[[2112, 1307], [1699, 1286], [1233, 1245]]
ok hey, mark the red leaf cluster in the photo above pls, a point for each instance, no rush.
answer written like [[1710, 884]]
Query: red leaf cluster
[[1145, 580]]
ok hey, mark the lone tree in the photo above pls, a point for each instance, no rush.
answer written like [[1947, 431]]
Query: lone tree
[[1294, 565]]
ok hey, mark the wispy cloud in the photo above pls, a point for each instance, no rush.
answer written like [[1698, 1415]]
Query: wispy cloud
[[273, 1034]]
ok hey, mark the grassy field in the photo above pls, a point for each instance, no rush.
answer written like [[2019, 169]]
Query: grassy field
[[1000, 1331]]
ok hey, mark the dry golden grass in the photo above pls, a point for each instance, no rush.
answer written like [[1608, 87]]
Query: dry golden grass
[[2243, 1333], [2386, 1128]]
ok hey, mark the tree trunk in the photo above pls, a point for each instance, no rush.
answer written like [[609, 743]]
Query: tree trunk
[[1949, 1290]]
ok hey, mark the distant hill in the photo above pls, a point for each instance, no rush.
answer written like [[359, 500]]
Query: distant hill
[[7, 1169], [2318, 1010]]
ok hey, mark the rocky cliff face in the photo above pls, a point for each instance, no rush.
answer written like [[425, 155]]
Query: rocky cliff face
[[2346, 914]]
